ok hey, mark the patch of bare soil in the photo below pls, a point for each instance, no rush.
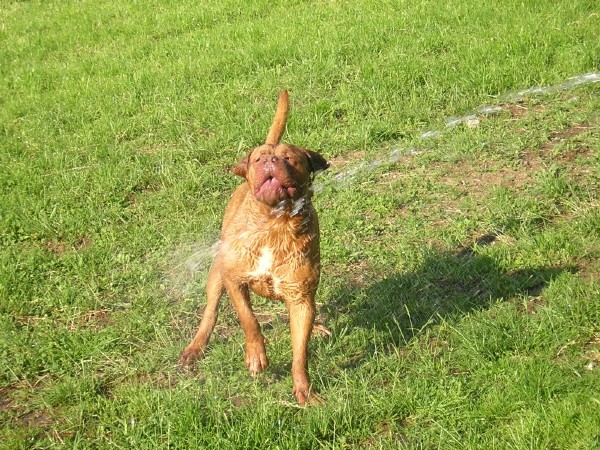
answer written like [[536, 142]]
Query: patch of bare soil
[[160, 380], [240, 402], [5, 400], [535, 159], [341, 160], [385, 430], [592, 352], [59, 248], [16, 408], [532, 306], [516, 110], [95, 320], [478, 181]]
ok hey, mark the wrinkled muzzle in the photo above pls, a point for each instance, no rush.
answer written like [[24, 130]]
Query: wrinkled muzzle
[[273, 181]]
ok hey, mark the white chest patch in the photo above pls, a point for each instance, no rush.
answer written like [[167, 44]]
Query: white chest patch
[[265, 263]]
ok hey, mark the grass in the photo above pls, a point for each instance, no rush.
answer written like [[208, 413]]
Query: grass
[[460, 276]]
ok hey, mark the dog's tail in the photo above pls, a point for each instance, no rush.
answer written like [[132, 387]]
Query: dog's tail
[[280, 119]]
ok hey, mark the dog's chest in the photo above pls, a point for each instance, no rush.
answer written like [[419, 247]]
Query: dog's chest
[[268, 274], [264, 264]]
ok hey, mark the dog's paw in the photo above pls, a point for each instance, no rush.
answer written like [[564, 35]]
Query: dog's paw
[[320, 330], [308, 396], [189, 356], [256, 359]]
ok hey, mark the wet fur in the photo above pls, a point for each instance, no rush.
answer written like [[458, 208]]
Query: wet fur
[[270, 246]]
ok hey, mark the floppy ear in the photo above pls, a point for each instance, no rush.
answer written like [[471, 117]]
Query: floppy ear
[[241, 168], [316, 163]]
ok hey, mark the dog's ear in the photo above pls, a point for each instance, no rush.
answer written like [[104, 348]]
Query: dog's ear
[[316, 163], [241, 168]]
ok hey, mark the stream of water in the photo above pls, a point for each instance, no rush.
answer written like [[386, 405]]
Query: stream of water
[[193, 260]]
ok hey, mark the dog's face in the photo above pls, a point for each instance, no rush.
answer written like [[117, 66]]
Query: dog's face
[[281, 172]]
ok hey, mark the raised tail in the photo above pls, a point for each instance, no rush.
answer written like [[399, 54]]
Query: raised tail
[[280, 119]]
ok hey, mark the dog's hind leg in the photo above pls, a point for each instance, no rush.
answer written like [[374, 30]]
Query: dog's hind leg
[[214, 291]]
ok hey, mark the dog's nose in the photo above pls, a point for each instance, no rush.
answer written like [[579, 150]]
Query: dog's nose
[[270, 159]]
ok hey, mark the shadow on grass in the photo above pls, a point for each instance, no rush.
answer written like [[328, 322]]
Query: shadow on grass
[[448, 284]]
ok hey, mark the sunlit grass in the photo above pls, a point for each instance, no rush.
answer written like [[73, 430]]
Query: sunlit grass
[[460, 275]]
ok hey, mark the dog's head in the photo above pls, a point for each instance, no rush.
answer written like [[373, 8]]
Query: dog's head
[[279, 172]]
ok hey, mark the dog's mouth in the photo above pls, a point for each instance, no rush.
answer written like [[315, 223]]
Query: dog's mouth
[[272, 191]]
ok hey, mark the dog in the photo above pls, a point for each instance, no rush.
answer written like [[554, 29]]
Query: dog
[[269, 245]]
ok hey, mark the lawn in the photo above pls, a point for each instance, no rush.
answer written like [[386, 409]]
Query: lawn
[[460, 221]]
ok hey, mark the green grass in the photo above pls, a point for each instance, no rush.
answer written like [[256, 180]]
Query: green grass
[[460, 281]]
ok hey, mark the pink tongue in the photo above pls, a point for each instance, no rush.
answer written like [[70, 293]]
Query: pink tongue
[[270, 184]]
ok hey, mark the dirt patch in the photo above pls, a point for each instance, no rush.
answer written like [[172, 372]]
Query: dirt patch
[[589, 270], [358, 273], [385, 431], [351, 157], [561, 136], [83, 243], [463, 177], [160, 380], [6, 402], [41, 419], [131, 199], [28, 321], [477, 181], [467, 252], [227, 325], [592, 352], [15, 406], [547, 154], [516, 110], [239, 401], [436, 346], [268, 320], [95, 320], [59, 248], [532, 306]]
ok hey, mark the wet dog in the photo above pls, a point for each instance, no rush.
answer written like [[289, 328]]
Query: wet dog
[[270, 246]]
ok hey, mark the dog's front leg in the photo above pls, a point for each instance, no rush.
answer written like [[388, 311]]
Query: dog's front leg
[[302, 317], [214, 291], [256, 355]]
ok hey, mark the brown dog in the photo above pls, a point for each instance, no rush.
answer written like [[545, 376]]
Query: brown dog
[[269, 245]]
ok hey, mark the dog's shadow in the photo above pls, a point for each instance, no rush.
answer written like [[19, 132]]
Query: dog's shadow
[[447, 285]]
